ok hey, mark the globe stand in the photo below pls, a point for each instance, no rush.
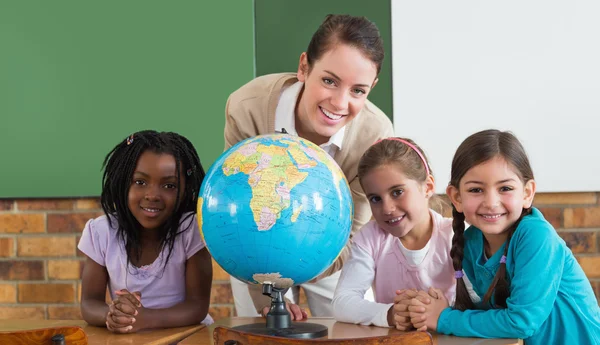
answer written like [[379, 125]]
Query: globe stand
[[279, 323]]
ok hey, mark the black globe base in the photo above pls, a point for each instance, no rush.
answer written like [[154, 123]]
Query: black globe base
[[279, 323], [304, 330]]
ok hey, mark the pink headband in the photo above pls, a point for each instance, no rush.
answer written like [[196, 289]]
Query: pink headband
[[412, 147]]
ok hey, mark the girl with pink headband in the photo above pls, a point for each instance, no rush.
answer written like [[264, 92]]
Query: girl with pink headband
[[404, 249]]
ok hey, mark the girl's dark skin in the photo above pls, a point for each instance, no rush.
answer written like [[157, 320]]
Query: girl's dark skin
[[127, 314], [153, 185]]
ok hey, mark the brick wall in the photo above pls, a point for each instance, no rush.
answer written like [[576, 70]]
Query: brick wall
[[40, 265]]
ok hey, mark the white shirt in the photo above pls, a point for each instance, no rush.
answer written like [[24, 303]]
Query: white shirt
[[414, 257], [285, 118], [349, 291], [349, 301]]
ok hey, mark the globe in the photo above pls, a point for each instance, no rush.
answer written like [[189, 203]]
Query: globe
[[275, 209]]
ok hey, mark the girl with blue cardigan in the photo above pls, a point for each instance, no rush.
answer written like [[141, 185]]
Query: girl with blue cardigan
[[528, 283]]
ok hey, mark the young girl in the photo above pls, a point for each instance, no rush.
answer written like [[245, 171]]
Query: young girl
[[325, 101], [406, 246], [529, 284], [147, 247]]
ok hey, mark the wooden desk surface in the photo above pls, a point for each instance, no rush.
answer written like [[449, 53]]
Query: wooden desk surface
[[340, 330], [101, 336]]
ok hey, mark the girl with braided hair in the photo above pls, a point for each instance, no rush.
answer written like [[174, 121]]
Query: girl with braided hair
[[147, 247], [529, 284]]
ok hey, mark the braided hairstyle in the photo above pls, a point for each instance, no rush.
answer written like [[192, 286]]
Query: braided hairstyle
[[477, 149], [119, 166]]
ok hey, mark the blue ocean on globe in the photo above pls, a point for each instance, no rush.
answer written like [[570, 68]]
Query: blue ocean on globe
[[276, 209]]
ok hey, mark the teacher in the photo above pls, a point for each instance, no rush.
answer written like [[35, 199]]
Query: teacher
[[325, 102]]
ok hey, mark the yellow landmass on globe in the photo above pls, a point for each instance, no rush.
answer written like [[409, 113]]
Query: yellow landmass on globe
[[238, 162], [271, 191], [317, 154], [272, 174], [296, 213]]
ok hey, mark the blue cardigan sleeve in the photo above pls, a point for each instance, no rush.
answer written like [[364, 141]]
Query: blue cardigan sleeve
[[538, 261]]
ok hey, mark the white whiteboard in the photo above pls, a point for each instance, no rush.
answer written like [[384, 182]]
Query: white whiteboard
[[531, 67]]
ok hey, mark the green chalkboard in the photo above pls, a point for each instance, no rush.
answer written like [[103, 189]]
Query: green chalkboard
[[78, 76], [284, 29]]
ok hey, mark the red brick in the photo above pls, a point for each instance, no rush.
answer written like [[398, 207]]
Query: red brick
[[46, 246], [88, 204], [21, 223], [580, 242], [64, 312], [220, 312], [553, 215], [218, 273], [8, 293], [44, 204], [64, 269], [590, 265], [6, 205], [29, 313], [588, 217], [69, 222], [22, 270], [221, 294], [46, 293], [107, 297], [7, 247], [565, 199]]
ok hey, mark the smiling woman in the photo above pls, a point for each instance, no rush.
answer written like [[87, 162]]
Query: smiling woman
[[325, 101]]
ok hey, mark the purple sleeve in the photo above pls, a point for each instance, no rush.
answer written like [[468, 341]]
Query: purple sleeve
[[192, 241], [91, 245]]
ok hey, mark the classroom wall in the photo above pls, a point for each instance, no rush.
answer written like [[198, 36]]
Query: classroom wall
[[77, 77], [40, 265]]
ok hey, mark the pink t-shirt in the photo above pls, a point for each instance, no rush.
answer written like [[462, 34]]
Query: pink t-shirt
[[392, 272], [377, 261], [160, 288]]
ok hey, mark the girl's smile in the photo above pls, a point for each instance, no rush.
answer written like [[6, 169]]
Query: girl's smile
[[153, 192], [335, 90]]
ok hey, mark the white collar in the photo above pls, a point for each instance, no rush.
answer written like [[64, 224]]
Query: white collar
[[285, 118]]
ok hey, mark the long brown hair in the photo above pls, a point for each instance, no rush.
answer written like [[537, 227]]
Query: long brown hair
[[358, 32], [477, 149]]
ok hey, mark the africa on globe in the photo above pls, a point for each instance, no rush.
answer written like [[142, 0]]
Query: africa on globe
[[275, 209]]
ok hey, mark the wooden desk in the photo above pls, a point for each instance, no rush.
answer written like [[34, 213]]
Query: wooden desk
[[340, 330], [101, 336]]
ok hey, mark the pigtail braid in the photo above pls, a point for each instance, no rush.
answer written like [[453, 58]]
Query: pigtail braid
[[500, 286], [463, 300]]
